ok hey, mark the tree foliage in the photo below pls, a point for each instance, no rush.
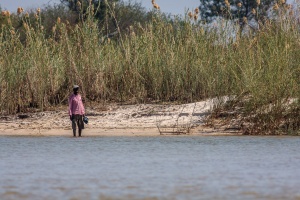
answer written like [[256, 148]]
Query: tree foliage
[[234, 9], [81, 6], [110, 14]]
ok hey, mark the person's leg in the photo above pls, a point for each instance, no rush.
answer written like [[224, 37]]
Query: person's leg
[[74, 126], [80, 125], [80, 132]]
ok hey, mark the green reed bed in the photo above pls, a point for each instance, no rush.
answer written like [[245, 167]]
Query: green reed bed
[[162, 61]]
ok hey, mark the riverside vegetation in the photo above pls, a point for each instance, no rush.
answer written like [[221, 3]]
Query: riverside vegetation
[[178, 60]]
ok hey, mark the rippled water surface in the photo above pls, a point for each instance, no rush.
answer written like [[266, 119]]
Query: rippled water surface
[[149, 168]]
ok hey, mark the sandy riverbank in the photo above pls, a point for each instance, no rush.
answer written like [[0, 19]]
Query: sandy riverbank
[[119, 120]]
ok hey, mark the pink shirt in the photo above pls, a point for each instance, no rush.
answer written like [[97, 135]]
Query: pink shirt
[[75, 105]]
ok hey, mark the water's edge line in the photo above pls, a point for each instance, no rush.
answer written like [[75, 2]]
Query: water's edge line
[[111, 132]]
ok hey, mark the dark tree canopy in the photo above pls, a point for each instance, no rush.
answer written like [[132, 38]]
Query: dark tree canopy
[[111, 13], [234, 9], [80, 6]]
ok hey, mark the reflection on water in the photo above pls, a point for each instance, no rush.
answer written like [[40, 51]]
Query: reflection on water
[[149, 168]]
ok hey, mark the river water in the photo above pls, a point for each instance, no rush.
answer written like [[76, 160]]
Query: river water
[[138, 168]]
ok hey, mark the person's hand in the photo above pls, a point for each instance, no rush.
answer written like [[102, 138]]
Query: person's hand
[[71, 118]]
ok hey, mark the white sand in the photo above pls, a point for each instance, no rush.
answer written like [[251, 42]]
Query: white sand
[[118, 120]]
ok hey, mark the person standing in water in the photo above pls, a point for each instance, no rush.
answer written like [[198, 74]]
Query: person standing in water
[[76, 111]]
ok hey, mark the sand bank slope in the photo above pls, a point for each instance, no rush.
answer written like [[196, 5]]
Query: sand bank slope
[[138, 119]]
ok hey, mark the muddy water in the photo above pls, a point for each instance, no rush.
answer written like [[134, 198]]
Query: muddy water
[[149, 168]]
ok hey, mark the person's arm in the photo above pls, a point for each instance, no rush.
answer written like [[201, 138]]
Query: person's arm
[[70, 107], [82, 107]]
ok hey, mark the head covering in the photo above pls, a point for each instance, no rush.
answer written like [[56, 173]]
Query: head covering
[[75, 86]]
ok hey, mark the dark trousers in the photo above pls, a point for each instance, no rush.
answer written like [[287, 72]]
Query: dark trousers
[[77, 120]]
